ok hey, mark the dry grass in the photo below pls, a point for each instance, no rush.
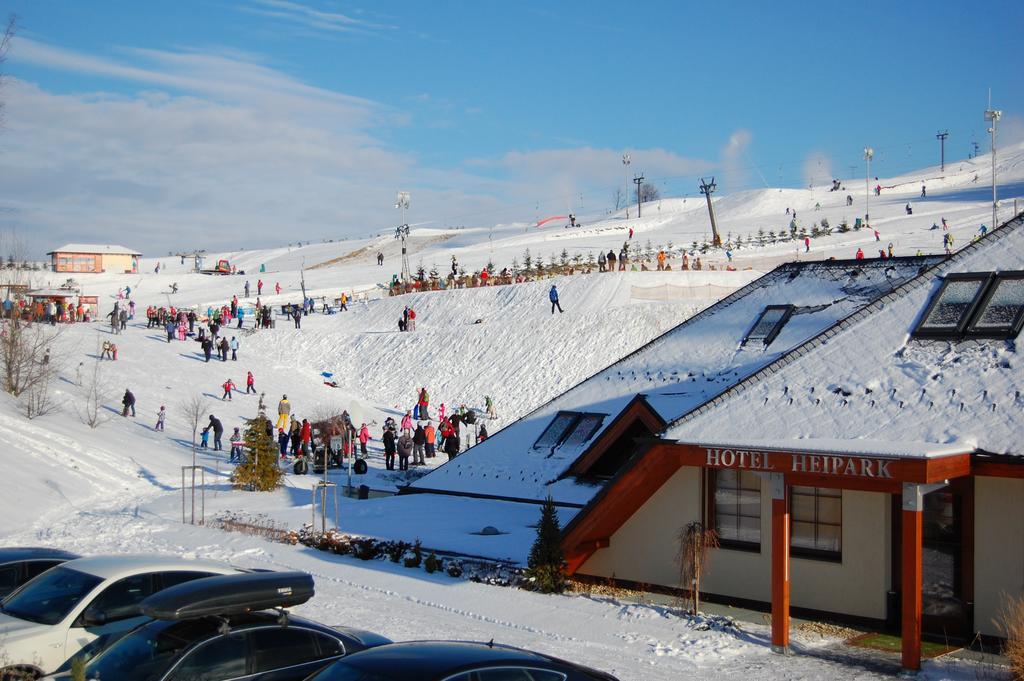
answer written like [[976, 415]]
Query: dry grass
[[1013, 626]]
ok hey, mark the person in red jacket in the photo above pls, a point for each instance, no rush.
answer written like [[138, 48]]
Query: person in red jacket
[[860, 254], [424, 404], [364, 437], [306, 437], [259, 287], [250, 383], [228, 386]]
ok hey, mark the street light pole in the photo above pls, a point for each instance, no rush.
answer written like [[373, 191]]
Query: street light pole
[[868, 153], [993, 115], [942, 147]]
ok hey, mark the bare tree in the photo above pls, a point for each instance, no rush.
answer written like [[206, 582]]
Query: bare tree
[[620, 198], [10, 30], [193, 409], [695, 542], [648, 192], [91, 413]]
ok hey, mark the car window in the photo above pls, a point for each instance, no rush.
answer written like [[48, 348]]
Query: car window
[[121, 599], [277, 647], [176, 577], [222, 658], [10, 577], [329, 646], [37, 567], [49, 598]]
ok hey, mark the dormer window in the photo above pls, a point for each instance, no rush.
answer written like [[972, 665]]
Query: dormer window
[[569, 429]]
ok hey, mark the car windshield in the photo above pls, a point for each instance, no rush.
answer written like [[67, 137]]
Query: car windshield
[[48, 598], [342, 671], [148, 652]]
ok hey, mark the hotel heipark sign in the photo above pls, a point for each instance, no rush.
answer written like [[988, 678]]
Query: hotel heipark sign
[[797, 462]]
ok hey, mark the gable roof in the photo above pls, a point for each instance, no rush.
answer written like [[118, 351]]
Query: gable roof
[[676, 373], [102, 249], [867, 379]]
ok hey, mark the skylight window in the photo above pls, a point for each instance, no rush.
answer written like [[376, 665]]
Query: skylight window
[[975, 305], [569, 428], [1001, 312], [769, 324], [583, 430]]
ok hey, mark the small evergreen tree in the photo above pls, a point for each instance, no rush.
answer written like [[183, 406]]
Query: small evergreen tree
[[590, 260], [258, 470], [527, 261], [563, 258], [546, 565], [515, 266]]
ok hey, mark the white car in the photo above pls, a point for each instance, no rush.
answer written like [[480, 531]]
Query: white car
[[55, 615]]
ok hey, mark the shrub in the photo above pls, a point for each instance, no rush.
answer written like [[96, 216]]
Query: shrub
[[1013, 626], [453, 568], [395, 550], [414, 556], [366, 548], [432, 563]]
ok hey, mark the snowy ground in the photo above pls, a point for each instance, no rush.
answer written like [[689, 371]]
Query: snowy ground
[[117, 488]]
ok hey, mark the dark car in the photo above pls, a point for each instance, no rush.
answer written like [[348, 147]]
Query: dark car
[[454, 661], [21, 563], [220, 628]]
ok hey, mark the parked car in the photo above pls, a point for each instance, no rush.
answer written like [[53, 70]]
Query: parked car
[[19, 564], [59, 612], [455, 661], [219, 628]]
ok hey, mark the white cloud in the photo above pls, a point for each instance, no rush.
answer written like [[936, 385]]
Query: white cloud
[[311, 18], [817, 169], [734, 159]]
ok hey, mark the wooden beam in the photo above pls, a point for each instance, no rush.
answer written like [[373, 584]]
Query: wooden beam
[[998, 470], [780, 563], [910, 580]]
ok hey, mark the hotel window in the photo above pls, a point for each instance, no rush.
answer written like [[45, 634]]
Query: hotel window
[[569, 428], [816, 522], [737, 508], [769, 324]]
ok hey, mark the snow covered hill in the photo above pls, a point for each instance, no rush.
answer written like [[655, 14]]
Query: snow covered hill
[[117, 487]]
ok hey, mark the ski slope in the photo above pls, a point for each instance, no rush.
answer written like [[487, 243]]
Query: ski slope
[[118, 487]]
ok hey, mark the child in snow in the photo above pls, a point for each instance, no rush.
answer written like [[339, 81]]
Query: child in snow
[[205, 441], [236, 445], [160, 416], [228, 386]]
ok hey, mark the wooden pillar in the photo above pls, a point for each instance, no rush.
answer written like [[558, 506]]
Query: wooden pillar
[[910, 579], [780, 563]]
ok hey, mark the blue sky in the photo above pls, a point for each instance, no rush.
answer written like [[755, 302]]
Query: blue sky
[[203, 119]]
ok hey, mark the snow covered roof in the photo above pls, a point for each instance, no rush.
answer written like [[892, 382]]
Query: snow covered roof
[[867, 379], [676, 373], [102, 249]]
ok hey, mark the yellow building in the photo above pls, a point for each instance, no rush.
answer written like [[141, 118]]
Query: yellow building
[[80, 258]]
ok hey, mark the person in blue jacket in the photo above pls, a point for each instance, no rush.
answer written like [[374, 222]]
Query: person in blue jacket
[[553, 296]]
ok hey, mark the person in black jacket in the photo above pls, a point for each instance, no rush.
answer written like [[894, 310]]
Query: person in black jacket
[[207, 348], [129, 402], [419, 439], [404, 450], [218, 431], [389, 448]]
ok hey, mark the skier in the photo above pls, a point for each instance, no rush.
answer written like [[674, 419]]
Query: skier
[[429, 436], [492, 413], [250, 383], [160, 416], [223, 349], [630, 232], [277, 287], [207, 348], [481, 434], [407, 423], [947, 242], [204, 438], [364, 437], [259, 287], [297, 316], [282, 442], [218, 431], [878, 237], [553, 297], [860, 254], [611, 260], [389, 448], [343, 302], [419, 440], [246, 288], [600, 261], [404, 450], [234, 348], [306, 437], [983, 230], [129, 402], [849, 200], [284, 409], [890, 249], [171, 328], [924, 192], [622, 259], [228, 386], [910, 211], [807, 244], [451, 440], [380, 259]]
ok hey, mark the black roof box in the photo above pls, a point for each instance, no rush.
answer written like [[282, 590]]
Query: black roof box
[[229, 595]]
